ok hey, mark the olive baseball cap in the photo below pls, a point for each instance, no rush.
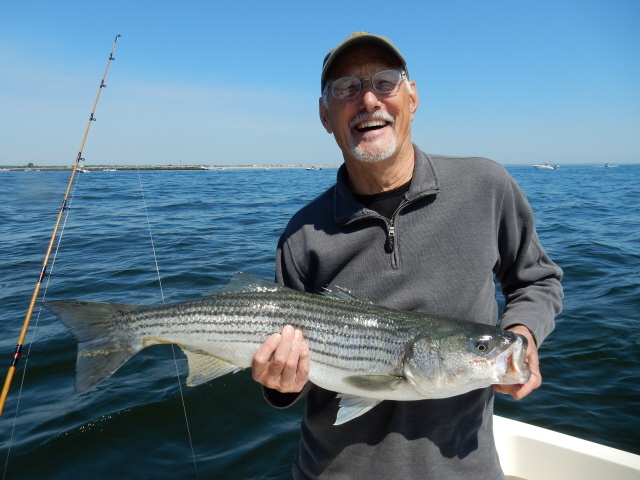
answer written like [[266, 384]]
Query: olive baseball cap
[[356, 39]]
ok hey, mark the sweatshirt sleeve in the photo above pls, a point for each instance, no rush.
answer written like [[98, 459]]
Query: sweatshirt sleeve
[[529, 280]]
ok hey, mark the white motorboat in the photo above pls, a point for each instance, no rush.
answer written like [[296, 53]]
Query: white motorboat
[[546, 166], [528, 452]]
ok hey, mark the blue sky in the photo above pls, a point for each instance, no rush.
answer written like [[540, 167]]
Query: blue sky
[[212, 82]]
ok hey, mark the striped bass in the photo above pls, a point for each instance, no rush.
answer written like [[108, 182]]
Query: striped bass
[[365, 352]]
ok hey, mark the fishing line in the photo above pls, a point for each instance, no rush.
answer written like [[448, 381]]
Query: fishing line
[[175, 359]]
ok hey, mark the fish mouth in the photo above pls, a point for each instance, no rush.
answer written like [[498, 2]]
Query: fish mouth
[[509, 367]]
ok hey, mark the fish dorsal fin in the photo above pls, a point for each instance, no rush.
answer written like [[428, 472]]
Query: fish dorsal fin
[[244, 282], [340, 293], [352, 406], [204, 367]]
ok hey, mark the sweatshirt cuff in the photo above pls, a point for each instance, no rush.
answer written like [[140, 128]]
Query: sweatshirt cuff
[[281, 400]]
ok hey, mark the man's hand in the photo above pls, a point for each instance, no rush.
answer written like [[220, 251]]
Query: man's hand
[[282, 362], [520, 391]]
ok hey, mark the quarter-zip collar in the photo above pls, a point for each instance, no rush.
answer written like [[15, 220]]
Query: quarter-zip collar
[[424, 182]]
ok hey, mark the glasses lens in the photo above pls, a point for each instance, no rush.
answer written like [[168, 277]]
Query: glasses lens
[[386, 81], [383, 82], [345, 88]]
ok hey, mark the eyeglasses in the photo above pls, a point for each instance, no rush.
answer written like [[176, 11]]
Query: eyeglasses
[[384, 82]]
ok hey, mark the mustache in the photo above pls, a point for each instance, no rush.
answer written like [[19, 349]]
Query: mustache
[[378, 114]]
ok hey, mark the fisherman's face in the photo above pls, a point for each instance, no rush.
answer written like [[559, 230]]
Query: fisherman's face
[[371, 127]]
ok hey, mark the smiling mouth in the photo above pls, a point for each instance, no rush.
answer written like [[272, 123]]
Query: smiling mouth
[[367, 122], [367, 126]]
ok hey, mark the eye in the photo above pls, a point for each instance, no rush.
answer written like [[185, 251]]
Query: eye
[[386, 81], [482, 345], [346, 87], [384, 86]]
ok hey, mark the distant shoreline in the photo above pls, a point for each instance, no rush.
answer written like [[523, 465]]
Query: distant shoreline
[[100, 168], [108, 168]]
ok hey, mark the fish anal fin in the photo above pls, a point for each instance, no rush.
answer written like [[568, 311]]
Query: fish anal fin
[[352, 406], [204, 367], [375, 383]]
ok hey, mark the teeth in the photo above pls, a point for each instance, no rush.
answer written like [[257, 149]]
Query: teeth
[[371, 124]]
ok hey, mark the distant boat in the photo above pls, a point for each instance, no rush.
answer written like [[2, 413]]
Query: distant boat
[[82, 170], [211, 167], [607, 165], [546, 166], [109, 170], [314, 167]]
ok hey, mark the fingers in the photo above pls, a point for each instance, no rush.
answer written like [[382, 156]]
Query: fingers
[[260, 361], [535, 380], [281, 369], [282, 362], [519, 391]]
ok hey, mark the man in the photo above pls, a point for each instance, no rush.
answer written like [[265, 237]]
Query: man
[[411, 231]]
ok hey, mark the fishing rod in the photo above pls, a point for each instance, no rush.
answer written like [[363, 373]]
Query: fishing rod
[[17, 354]]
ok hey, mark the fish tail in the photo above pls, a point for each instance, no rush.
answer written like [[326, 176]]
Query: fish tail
[[103, 344]]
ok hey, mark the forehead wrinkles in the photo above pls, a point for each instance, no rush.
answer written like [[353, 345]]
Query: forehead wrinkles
[[362, 61]]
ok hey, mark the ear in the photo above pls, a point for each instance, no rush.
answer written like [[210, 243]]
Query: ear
[[324, 116], [413, 99]]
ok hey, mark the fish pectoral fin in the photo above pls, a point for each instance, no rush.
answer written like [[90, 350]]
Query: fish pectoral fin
[[352, 407], [204, 367], [375, 383]]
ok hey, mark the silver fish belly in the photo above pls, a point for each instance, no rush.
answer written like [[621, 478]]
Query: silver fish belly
[[364, 352]]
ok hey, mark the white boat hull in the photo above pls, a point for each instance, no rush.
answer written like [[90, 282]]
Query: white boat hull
[[533, 453]]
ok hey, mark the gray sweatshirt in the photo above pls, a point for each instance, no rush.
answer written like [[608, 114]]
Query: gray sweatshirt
[[463, 223]]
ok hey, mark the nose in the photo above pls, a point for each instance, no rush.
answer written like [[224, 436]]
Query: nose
[[369, 97]]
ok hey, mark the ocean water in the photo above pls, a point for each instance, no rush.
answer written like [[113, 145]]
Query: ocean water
[[143, 423]]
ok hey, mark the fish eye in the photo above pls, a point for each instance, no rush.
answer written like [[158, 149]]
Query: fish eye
[[482, 345]]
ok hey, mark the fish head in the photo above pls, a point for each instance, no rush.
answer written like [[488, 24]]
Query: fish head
[[461, 361]]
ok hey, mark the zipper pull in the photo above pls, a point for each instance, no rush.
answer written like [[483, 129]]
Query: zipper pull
[[390, 239]]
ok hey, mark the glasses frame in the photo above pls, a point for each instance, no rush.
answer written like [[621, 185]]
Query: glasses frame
[[329, 87]]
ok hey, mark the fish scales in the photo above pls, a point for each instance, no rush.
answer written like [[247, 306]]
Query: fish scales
[[344, 338]]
